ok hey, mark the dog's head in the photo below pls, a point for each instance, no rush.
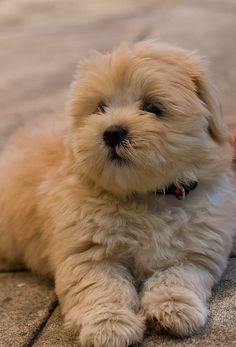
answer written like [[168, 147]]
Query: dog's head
[[143, 117]]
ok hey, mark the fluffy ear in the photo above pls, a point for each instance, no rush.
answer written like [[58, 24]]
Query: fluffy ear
[[209, 96]]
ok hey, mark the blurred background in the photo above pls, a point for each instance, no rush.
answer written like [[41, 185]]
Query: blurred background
[[41, 42]]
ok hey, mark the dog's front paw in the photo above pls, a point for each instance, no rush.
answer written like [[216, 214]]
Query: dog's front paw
[[178, 310], [111, 327]]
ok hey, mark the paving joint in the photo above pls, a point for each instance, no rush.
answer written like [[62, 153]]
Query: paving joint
[[39, 329]]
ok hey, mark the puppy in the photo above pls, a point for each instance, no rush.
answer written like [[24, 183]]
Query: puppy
[[127, 201]]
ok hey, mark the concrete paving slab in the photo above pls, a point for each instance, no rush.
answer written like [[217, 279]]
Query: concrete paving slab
[[54, 333], [26, 302]]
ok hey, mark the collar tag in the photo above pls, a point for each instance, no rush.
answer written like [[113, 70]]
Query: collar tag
[[179, 191]]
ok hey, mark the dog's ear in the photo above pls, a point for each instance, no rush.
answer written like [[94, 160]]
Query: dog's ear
[[209, 96]]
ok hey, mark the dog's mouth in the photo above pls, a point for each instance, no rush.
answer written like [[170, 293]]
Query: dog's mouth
[[115, 156]]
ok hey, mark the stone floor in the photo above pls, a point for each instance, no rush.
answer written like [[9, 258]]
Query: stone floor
[[41, 42]]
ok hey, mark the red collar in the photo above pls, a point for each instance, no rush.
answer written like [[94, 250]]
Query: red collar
[[179, 191]]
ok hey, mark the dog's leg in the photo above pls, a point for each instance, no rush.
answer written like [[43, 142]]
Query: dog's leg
[[100, 302], [176, 298]]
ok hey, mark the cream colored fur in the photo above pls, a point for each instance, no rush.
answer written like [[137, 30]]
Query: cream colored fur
[[120, 254]]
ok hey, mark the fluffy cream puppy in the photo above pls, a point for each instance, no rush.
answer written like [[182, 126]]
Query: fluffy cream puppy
[[82, 196]]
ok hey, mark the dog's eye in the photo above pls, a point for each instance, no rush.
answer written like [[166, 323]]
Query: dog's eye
[[102, 108], [151, 108]]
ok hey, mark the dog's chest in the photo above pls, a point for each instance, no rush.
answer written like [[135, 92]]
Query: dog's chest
[[149, 236]]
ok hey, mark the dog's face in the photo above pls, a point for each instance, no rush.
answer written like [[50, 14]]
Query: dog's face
[[143, 117]]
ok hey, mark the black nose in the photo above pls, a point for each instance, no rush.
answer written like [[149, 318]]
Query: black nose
[[114, 135]]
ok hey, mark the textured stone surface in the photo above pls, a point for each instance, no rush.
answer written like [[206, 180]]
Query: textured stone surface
[[54, 334], [25, 304]]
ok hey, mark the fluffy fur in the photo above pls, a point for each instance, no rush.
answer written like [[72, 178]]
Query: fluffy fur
[[119, 253]]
